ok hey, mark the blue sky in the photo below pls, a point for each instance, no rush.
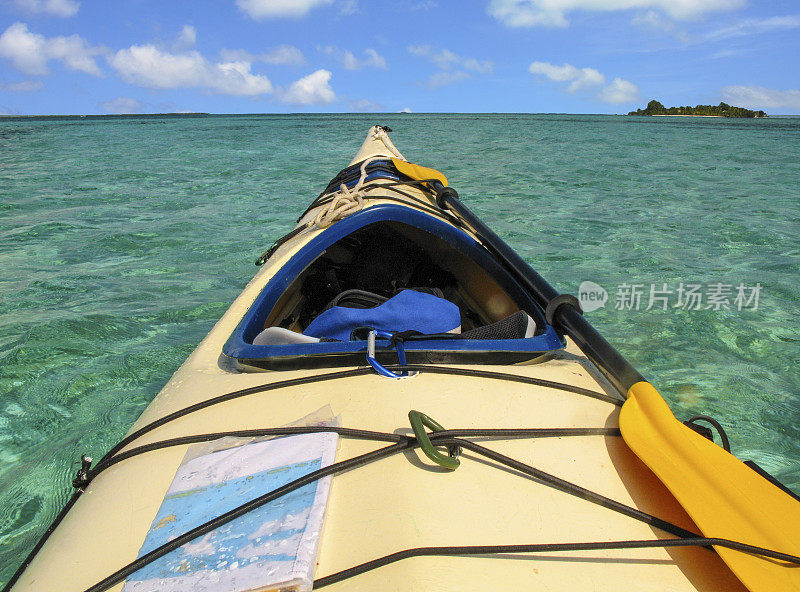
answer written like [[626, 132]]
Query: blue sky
[[278, 56]]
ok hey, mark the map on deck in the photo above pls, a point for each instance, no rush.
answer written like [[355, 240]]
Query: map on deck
[[273, 547]]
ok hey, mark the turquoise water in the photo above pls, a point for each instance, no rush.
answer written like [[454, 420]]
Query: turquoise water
[[122, 241]]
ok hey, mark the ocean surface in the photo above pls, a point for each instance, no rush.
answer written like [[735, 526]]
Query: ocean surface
[[123, 240]]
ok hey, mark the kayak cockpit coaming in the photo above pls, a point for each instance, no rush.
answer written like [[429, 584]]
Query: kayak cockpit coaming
[[484, 291]]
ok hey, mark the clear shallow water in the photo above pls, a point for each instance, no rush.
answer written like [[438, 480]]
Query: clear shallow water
[[122, 241]]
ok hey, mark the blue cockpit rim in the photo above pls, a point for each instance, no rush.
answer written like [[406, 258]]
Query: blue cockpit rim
[[240, 344]]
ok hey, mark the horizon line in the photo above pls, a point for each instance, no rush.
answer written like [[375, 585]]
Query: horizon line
[[302, 113]]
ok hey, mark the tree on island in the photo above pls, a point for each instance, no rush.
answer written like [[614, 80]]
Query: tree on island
[[721, 110]]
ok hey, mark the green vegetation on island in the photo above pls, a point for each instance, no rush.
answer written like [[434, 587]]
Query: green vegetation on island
[[721, 110]]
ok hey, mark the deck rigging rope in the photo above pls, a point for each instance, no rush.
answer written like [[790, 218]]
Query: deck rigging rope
[[397, 444], [87, 475], [344, 201], [686, 538], [544, 548], [381, 134], [724, 442]]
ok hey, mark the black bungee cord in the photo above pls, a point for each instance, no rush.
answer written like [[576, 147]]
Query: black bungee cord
[[397, 444], [86, 474]]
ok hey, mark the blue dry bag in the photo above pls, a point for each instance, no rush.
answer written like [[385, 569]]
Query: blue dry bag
[[408, 310]]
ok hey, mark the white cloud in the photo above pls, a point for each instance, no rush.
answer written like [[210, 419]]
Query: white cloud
[[29, 52], [446, 59], [445, 77], [22, 86], [266, 9], [365, 105], [75, 52], [282, 55], [618, 91], [452, 66], [424, 5], [405, 110], [26, 50], [62, 8], [578, 77], [237, 55], [148, 66], [654, 19], [348, 7], [186, 39], [443, 59], [758, 97], [726, 53], [351, 62], [313, 89], [478, 66], [754, 27], [519, 13], [553, 13], [123, 106], [741, 28]]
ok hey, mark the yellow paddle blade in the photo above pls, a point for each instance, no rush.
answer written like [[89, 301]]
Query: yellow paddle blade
[[420, 173], [724, 497]]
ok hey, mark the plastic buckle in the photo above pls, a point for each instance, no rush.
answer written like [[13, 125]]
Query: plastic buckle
[[380, 368]]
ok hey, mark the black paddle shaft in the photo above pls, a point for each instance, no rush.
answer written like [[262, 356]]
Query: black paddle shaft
[[567, 319]]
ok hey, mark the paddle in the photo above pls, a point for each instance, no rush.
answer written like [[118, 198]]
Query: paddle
[[725, 497]]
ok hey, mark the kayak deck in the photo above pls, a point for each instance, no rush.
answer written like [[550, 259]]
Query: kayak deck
[[403, 502]]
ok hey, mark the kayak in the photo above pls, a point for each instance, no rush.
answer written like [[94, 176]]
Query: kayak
[[397, 400]]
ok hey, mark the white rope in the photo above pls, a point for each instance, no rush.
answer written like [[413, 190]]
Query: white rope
[[349, 201], [345, 201], [378, 133]]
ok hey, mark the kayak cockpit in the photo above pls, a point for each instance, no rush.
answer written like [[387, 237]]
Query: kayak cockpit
[[386, 257], [371, 257]]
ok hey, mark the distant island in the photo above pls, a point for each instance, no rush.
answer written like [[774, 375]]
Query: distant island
[[721, 110]]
